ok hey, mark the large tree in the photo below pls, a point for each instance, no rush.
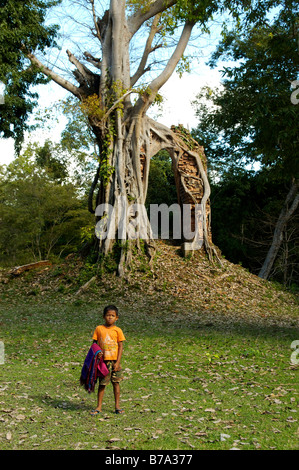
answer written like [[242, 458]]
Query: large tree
[[116, 88]]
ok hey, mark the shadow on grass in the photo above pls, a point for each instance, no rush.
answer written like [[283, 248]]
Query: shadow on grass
[[63, 404], [254, 329], [222, 326]]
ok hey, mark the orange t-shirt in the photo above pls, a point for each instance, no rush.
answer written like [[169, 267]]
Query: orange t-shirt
[[108, 339]]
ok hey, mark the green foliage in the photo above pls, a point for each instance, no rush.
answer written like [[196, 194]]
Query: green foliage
[[87, 272], [92, 108], [245, 209], [77, 134], [54, 167], [183, 66], [252, 118], [198, 11], [75, 155], [95, 113], [106, 170], [137, 5], [41, 215], [161, 184], [22, 29]]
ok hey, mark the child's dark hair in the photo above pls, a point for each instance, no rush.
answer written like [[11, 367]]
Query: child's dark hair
[[110, 307]]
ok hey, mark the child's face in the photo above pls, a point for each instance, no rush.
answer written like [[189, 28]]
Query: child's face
[[110, 317]]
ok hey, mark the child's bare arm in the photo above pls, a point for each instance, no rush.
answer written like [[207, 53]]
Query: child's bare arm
[[119, 354]]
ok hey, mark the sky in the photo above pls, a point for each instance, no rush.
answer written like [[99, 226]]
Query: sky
[[179, 93]]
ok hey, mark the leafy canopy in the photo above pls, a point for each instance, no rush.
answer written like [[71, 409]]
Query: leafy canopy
[[43, 212], [22, 28], [252, 118]]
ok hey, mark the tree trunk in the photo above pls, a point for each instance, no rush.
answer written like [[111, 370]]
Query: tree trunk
[[290, 205]]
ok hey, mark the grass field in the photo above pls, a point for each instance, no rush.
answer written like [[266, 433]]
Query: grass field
[[207, 358], [188, 384]]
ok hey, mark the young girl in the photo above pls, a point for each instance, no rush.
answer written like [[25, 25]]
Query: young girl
[[110, 339]]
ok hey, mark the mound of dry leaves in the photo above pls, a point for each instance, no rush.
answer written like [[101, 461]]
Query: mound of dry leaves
[[173, 286]]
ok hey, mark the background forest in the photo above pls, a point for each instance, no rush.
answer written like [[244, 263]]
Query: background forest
[[44, 212], [249, 129]]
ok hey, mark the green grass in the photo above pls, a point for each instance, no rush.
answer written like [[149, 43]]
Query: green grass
[[187, 385]]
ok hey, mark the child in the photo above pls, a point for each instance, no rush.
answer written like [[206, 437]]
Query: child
[[110, 339]]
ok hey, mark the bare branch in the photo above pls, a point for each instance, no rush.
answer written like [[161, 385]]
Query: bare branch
[[96, 22], [144, 102], [147, 50], [158, 82], [92, 60], [87, 74], [55, 77]]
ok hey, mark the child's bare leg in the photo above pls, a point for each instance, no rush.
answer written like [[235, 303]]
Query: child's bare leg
[[100, 397], [116, 390]]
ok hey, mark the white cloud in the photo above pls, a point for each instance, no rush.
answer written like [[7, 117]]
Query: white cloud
[[6, 151], [178, 93]]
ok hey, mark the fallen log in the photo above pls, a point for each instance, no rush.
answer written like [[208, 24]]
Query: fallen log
[[86, 286], [26, 267]]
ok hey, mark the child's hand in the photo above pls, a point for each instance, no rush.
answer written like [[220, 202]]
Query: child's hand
[[116, 366]]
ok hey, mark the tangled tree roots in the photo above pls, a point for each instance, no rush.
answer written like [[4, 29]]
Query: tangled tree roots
[[131, 160]]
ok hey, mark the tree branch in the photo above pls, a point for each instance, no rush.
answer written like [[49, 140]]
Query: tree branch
[[98, 32], [147, 50], [144, 103], [93, 60], [56, 78], [87, 74], [158, 82], [117, 17], [137, 19], [283, 218]]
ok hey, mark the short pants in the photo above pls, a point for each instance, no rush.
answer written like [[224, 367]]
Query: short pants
[[113, 376]]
